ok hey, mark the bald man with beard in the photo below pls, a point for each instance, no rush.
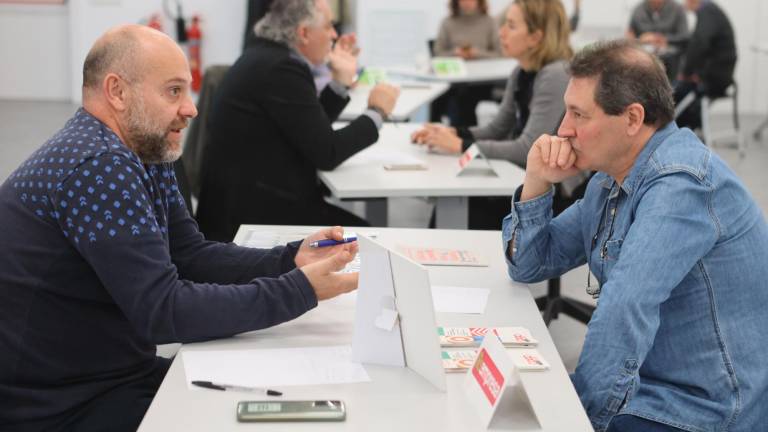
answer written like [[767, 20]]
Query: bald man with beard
[[100, 260]]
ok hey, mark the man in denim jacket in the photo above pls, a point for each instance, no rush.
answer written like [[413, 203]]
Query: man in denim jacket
[[678, 248]]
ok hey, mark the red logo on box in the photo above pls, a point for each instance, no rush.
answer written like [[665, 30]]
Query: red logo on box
[[488, 377], [466, 158]]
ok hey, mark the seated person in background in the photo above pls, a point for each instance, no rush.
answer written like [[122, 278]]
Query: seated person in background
[[675, 242], [100, 259], [658, 23], [269, 132], [709, 60], [470, 33], [662, 26], [532, 104]]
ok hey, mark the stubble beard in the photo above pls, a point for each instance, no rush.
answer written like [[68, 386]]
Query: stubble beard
[[148, 138]]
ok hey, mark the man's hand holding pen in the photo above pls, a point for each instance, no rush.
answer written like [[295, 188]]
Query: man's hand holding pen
[[321, 264]]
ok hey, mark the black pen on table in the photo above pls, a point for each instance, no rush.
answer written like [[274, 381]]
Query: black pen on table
[[224, 387]]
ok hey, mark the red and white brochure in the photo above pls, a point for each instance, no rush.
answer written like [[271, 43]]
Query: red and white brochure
[[443, 257]]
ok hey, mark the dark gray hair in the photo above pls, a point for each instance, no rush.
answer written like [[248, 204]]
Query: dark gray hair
[[114, 54], [284, 17], [626, 74]]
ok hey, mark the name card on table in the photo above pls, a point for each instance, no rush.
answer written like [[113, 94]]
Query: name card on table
[[474, 162], [494, 388], [449, 67], [371, 76]]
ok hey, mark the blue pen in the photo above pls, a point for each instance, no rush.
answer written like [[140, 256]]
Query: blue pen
[[331, 242]]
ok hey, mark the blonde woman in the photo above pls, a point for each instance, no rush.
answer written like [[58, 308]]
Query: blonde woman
[[536, 33]]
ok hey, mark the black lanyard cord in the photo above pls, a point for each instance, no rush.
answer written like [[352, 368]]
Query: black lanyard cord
[[595, 291]]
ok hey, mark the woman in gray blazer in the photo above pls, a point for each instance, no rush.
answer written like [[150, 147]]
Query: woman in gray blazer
[[532, 104]]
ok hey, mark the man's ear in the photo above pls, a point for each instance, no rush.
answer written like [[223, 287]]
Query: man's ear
[[635, 118], [115, 92], [302, 35]]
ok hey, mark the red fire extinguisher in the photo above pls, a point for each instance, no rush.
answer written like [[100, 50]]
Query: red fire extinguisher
[[155, 22], [193, 39]]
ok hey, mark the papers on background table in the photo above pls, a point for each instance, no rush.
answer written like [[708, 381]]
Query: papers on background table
[[380, 156], [275, 367], [460, 299]]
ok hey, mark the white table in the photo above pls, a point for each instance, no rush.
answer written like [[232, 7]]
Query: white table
[[413, 96], [478, 72], [396, 399], [362, 178]]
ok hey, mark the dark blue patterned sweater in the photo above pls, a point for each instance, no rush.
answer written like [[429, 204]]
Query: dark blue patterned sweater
[[100, 261]]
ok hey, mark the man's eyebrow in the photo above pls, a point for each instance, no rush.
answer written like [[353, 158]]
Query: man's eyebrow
[[573, 107], [176, 81]]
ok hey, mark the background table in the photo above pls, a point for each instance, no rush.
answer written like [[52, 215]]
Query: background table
[[413, 96], [397, 399], [362, 179], [478, 71]]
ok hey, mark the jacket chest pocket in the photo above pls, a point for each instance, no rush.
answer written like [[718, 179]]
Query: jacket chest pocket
[[612, 249]]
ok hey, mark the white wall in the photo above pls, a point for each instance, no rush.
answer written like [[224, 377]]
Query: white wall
[[34, 48], [42, 58], [747, 17], [222, 26]]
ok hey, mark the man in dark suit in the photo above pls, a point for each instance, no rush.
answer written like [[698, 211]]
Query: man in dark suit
[[270, 132], [709, 61]]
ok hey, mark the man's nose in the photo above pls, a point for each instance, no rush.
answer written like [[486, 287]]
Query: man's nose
[[566, 129], [188, 108]]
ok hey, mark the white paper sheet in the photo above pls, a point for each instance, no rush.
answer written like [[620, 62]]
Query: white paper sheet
[[264, 239], [460, 299], [379, 156], [274, 367]]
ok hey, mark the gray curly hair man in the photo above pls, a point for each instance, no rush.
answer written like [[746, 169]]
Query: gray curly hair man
[[284, 17]]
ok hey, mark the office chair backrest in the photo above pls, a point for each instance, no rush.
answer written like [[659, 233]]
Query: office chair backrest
[[197, 138]]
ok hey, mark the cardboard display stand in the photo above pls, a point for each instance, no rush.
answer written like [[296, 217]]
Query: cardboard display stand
[[394, 316]]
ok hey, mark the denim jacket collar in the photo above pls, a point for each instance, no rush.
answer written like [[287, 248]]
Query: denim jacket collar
[[641, 162]]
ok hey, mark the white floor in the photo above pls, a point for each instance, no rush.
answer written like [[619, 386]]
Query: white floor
[[24, 126]]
